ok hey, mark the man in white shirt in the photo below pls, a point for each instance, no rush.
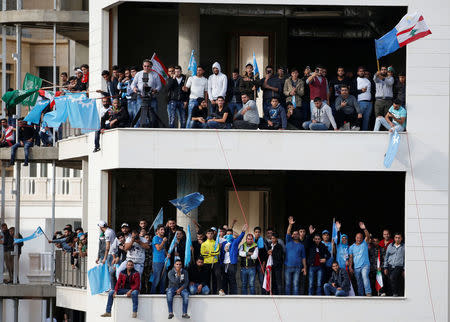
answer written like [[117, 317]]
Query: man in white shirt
[[362, 88], [199, 88], [147, 85], [135, 247], [217, 86]]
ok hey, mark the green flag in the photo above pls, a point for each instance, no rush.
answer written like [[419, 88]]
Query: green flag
[[12, 98], [34, 83]]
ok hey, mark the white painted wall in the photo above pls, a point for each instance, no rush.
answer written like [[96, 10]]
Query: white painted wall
[[428, 71]]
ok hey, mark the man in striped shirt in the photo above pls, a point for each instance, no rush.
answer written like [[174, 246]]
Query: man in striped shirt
[[7, 136]]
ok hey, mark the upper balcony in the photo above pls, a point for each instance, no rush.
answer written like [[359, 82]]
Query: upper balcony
[[236, 149]]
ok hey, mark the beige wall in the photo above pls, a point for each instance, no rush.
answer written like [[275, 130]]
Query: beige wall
[[253, 206], [35, 54]]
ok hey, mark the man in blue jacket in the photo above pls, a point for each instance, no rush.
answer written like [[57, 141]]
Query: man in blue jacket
[[295, 260], [228, 260]]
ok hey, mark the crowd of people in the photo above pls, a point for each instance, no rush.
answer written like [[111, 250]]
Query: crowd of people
[[71, 242], [7, 236], [306, 262], [292, 100]]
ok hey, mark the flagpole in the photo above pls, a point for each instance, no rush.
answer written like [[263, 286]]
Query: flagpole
[[378, 65]]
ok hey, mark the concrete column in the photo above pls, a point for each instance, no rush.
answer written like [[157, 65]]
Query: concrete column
[[85, 183], [187, 182], [188, 33]]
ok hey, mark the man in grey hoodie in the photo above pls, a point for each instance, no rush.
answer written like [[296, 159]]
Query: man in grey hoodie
[[347, 109], [321, 117], [217, 86]]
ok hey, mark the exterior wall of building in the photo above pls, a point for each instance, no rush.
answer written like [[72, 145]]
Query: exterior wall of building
[[426, 145]]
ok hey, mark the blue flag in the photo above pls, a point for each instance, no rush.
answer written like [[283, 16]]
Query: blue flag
[[38, 232], [59, 114], [216, 245], [99, 279], [172, 246], [192, 64], [158, 220], [294, 101], [255, 65], [187, 251], [260, 242], [394, 142], [387, 44], [34, 116], [334, 233], [82, 112], [188, 203]]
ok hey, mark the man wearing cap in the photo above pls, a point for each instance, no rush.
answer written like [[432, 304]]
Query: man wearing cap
[[329, 262], [79, 86], [228, 259], [107, 236]]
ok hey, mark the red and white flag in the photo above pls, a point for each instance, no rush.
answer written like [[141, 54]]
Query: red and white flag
[[267, 277], [50, 96], [379, 277], [410, 28], [159, 68]]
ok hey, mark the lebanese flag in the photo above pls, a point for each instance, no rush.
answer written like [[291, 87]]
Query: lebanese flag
[[159, 68], [379, 277], [267, 283], [50, 96], [410, 28]]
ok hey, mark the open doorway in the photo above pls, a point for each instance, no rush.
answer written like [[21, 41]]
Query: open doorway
[[259, 45], [255, 204]]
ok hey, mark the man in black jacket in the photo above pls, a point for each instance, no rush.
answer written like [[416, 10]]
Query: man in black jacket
[[25, 139], [177, 98], [198, 278], [277, 252], [339, 283], [317, 256], [234, 93]]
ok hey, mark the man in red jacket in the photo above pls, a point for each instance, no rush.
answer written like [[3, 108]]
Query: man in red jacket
[[128, 284]]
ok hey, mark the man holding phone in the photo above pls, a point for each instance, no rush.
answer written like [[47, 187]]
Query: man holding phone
[[272, 88], [318, 86]]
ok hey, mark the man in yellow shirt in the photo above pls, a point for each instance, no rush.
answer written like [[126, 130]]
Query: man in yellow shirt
[[211, 257]]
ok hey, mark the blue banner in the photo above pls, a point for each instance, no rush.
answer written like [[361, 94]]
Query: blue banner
[[99, 279], [334, 233], [192, 64], [255, 65], [189, 202], [394, 142], [34, 116], [172, 246], [83, 112], [187, 251], [59, 114], [38, 232]]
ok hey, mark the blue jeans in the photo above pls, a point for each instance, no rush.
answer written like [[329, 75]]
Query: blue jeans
[[132, 109], [309, 125], [382, 121], [122, 291], [175, 108], [192, 103], [292, 279], [315, 271], [363, 281], [26, 144], [171, 292], [193, 289], [248, 280], [328, 289], [234, 107], [366, 111], [196, 125], [46, 139], [144, 120], [158, 279]]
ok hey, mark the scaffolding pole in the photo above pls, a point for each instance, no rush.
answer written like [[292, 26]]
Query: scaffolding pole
[[3, 62]]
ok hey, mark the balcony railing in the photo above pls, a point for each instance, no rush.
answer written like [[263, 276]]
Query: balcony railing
[[40, 269], [68, 273], [40, 188]]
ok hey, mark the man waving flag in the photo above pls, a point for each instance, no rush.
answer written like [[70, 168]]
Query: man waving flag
[[410, 28]]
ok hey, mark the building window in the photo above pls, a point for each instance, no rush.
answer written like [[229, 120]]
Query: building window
[[44, 170], [76, 173], [66, 172], [33, 170], [46, 72]]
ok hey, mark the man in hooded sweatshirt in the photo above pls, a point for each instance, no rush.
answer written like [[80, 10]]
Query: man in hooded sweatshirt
[[217, 86], [275, 116]]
